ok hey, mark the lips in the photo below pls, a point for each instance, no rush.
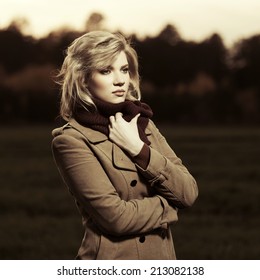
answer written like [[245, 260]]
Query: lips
[[120, 92]]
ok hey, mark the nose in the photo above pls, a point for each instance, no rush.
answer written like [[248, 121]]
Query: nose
[[119, 79]]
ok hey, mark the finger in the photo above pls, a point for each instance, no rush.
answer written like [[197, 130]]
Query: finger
[[112, 120], [134, 120], [118, 116]]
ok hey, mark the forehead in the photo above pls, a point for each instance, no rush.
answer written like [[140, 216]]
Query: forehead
[[119, 59], [116, 60]]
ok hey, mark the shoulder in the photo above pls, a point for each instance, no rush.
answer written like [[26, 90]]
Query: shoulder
[[154, 134], [66, 131], [151, 128], [66, 137], [73, 131]]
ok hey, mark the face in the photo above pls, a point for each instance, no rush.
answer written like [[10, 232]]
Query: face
[[111, 83]]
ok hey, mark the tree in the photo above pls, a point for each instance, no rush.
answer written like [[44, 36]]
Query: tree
[[16, 50], [94, 22], [213, 57], [170, 35], [246, 61]]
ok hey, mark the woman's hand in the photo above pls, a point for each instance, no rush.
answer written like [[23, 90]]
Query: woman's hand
[[125, 134]]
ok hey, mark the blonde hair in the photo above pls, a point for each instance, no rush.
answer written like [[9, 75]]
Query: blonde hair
[[92, 51]]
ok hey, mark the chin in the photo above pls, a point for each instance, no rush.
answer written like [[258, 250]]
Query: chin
[[118, 100]]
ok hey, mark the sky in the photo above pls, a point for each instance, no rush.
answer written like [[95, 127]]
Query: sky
[[194, 19]]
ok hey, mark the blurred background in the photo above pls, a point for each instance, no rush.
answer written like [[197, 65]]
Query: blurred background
[[199, 66]]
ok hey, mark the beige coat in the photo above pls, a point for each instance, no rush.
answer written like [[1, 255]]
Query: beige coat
[[127, 211]]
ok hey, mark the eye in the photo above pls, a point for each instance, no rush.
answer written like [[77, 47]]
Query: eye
[[125, 70], [105, 71]]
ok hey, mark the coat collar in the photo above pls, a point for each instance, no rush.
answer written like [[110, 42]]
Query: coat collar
[[93, 136]]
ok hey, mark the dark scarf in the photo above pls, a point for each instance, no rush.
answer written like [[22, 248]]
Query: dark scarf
[[99, 120]]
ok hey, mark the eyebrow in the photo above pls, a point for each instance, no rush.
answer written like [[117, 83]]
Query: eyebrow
[[111, 67]]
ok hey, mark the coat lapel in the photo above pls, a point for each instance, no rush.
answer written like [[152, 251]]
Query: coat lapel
[[121, 160]]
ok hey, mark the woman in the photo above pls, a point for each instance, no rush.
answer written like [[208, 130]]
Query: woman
[[127, 182]]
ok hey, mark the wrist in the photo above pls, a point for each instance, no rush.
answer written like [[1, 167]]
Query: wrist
[[143, 158], [136, 149]]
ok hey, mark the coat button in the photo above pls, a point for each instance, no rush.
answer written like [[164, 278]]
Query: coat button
[[142, 239], [133, 183]]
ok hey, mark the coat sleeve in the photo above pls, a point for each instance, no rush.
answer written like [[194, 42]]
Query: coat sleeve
[[166, 173], [86, 179]]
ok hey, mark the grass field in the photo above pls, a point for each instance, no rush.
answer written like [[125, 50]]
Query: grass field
[[39, 219]]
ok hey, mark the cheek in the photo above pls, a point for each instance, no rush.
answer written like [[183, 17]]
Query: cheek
[[99, 84], [128, 81]]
